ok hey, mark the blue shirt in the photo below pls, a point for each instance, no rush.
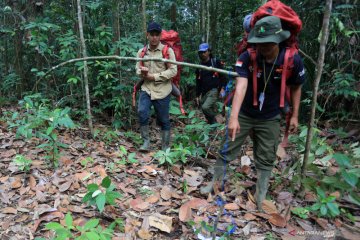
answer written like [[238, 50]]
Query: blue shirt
[[271, 106]]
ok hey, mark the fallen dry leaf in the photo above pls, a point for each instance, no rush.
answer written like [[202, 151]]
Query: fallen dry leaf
[[152, 199], [76, 209], [284, 197], [185, 213], [249, 217], [81, 176], [193, 181], [145, 234], [196, 203], [8, 153], [269, 207], [65, 186], [277, 220], [32, 182], [16, 183], [9, 210], [100, 170], [281, 153], [176, 169], [22, 218], [231, 206], [322, 222], [162, 222], [166, 193], [4, 179], [48, 217], [4, 197], [139, 205]]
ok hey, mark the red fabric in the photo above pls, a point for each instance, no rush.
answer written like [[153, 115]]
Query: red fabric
[[289, 19], [172, 39]]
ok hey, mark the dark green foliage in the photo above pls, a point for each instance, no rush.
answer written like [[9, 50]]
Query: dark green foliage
[[101, 195]]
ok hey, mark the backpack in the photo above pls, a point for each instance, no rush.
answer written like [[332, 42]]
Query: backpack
[[170, 39], [290, 21]]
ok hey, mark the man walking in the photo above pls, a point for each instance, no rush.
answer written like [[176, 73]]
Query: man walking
[[156, 89], [262, 118], [209, 84]]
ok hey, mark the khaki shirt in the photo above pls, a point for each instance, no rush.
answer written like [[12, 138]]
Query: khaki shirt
[[161, 87]]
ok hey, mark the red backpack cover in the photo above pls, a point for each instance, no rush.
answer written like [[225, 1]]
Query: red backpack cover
[[289, 19], [171, 38]]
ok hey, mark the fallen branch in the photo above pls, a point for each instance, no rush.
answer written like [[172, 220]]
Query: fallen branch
[[212, 69]]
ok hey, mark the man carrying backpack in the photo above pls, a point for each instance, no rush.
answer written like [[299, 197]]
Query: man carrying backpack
[[209, 84], [263, 118], [156, 89]]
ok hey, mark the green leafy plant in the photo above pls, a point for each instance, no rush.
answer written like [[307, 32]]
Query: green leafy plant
[[134, 137], [101, 195], [166, 157], [22, 163], [185, 186], [146, 191], [301, 212], [325, 206], [89, 231], [38, 120], [125, 157], [206, 229], [84, 162]]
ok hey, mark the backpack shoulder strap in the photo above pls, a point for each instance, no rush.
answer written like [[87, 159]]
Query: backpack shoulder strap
[[252, 53], [142, 54], [286, 73], [165, 51], [165, 54]]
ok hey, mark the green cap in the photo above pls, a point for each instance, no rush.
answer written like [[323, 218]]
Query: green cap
[[268, 29]]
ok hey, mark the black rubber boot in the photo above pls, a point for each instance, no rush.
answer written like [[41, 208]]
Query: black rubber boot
[[263, 177], [218, 176], [144, 131], [165, 139]]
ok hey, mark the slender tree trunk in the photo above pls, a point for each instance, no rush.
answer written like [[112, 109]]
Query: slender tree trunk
[[173, 16], [86, 80], [208, 20], [202, 26], [319, 69], [214, 7], [143, 9], [116, 23]]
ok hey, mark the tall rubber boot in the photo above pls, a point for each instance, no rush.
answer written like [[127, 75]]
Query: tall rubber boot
[[144, 131], [218, 176], [165, 139], [263, 177]]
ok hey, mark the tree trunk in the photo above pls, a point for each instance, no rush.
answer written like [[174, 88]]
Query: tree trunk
[[214, 6], [143, 9], [208, 20], [202, 27], [318, 72], [86, 80], [173, 16]]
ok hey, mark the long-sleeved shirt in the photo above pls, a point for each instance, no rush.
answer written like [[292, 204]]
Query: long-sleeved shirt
[[163, 73], [207, 80]]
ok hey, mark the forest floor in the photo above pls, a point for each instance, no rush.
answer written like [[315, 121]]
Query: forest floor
[[158, 202]]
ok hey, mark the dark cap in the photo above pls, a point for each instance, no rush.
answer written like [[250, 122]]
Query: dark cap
[[268, 29], [154, 26]]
